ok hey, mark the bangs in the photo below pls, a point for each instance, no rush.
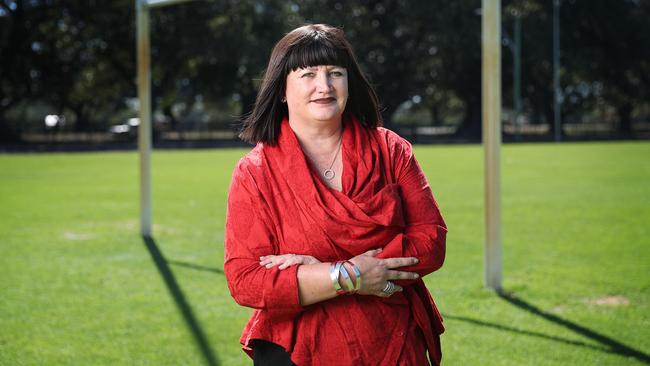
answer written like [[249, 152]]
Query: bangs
[[310, 45], [315, 50]]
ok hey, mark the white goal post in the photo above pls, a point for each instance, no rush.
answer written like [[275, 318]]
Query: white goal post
[[144, 96], [491, 116]]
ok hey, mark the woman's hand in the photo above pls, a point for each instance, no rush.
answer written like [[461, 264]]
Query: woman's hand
[[375, 272], [286, 260]]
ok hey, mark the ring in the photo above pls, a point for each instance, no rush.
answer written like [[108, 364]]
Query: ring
[[389, 289]]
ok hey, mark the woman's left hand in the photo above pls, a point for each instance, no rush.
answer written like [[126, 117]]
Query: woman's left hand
[[286, 260]]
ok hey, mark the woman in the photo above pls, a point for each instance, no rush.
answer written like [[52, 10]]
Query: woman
[[331, 223]]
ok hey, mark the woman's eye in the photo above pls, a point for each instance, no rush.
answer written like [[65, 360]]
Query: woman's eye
[[308, 74], [336, 73]]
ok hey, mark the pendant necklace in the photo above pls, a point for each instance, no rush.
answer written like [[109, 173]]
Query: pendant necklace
[[329, 173]]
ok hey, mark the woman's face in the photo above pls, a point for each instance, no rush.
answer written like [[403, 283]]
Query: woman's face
[[317, 94]]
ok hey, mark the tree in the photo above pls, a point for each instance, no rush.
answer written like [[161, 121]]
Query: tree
[[79, 57], [68, 54], [608, 53]]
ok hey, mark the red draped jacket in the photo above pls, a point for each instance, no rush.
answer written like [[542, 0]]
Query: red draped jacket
[[277, 204]]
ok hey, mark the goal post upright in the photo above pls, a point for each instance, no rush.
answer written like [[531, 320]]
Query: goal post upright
[[143, 55], [491, 116]]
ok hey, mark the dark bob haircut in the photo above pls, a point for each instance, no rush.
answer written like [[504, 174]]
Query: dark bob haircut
[[309, 45]]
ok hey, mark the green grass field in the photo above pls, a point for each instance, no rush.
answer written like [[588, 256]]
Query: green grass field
[[79, 286]]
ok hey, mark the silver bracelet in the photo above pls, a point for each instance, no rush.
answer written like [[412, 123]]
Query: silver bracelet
[[357, 273], [347, 280], [334, 276]]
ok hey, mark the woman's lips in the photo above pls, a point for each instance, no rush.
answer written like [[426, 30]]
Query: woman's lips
[[324, 100]]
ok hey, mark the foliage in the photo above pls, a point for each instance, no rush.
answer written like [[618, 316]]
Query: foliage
[[78, 57], [614, 67], [73, 55]]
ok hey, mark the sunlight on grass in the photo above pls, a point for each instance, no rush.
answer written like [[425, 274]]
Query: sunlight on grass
[[78, 285]]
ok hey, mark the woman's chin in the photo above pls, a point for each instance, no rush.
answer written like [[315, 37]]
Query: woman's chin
[[325, 116]]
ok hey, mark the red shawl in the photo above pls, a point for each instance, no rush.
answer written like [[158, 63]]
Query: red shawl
[[277, 204]]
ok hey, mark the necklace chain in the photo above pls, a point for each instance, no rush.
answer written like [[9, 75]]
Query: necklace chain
[[329, 174]]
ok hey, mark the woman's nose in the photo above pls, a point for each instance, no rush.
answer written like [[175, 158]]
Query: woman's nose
[[323, 82]]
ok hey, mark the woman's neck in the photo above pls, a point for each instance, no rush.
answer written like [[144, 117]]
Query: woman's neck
[[317, 137]]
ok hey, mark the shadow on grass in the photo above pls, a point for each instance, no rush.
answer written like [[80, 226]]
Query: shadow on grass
[[611, 345], [182, 304], [524, 332], [608, 344], [195, 266]]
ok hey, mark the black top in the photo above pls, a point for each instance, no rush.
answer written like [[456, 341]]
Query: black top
[[270, 354]]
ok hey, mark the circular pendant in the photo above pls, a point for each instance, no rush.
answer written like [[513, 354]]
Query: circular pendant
[[329, 174]]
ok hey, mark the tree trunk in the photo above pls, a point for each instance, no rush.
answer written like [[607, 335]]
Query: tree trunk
[[82, 124], [248, 94], [173, 122], [625, 119], [435, 115], [470, 128]]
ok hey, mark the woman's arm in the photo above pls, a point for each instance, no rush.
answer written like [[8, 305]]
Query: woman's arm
[[425, 234], [248, 236], [423, 238], [315, 284], [284, 292]]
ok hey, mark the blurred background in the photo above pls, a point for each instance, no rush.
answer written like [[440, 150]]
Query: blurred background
[[68, 68], [80, 286]]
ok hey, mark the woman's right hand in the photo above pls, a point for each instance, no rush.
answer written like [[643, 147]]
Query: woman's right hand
[[285, 261], [376, 272]]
